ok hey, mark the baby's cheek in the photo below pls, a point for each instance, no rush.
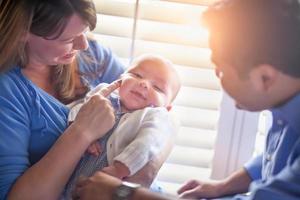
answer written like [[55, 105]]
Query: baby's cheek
[[159, 100]]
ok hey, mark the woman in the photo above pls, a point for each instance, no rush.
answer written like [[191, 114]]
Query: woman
[[49, 62], [38, 151]]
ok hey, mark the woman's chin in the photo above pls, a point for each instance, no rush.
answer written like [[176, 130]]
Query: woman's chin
[[66, 61]]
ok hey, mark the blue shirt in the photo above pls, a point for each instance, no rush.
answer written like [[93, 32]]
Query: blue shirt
[[276, 173], [31, 120]]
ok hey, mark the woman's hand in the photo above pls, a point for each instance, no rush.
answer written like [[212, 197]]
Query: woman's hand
[[96, 116], [99, 186]]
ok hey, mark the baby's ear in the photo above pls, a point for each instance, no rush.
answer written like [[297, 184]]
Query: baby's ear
[[169, 107]]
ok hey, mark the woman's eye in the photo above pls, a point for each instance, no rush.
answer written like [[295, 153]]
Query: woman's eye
[[69, 41]]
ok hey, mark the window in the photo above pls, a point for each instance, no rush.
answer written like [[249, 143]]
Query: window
[[173, 29]]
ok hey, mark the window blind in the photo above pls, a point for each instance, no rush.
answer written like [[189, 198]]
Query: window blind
[[172, 29]]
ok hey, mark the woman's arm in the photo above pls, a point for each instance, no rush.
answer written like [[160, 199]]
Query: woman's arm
[[104, 66], [102, 186], [46, 179]]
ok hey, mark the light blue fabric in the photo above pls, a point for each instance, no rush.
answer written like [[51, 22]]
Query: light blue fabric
[[31, 120], [277, 171]]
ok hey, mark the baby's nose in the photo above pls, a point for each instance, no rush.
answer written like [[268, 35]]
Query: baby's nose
[[144, 84]]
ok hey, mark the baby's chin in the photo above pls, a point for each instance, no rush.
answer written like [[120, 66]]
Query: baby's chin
[[130, 108]]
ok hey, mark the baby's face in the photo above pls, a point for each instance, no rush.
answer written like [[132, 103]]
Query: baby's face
[[147, 84]]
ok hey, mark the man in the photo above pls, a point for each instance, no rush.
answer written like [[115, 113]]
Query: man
[[256, 49]]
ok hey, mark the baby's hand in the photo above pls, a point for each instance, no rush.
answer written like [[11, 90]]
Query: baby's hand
[[117, 169], [94, 149], [111, 170]]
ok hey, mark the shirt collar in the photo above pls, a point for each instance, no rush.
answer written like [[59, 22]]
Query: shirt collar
[[115, 101], [290, 112]]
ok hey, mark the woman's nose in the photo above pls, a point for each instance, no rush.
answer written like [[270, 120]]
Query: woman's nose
[[80, 43]]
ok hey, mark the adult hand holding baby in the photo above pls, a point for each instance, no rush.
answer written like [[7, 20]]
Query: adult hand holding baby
[[97, 108]]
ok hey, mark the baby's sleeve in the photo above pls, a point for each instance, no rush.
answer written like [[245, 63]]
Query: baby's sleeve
[[153, 134]]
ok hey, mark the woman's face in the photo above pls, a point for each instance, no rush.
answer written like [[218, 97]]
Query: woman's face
[[62, 50]]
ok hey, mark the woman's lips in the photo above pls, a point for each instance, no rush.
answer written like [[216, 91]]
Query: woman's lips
[[70, 55]]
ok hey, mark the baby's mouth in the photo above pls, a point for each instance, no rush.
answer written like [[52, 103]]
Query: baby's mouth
[[139, 95]]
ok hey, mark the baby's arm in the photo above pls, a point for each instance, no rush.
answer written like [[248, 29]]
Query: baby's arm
[[151, 137], [117, 169]]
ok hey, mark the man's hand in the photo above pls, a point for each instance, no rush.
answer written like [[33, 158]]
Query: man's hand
[[238, 182], [197, 189]]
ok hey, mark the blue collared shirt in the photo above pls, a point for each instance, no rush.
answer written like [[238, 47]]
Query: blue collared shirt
[[276, 173]]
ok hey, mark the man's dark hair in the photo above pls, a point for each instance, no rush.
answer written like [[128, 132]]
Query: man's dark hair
[[247, 33]]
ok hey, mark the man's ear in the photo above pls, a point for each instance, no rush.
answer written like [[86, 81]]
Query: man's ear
[[169, 107], [264, 77]]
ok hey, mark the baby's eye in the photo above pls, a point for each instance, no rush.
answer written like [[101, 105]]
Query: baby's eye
[[157, 88], [137, 75]]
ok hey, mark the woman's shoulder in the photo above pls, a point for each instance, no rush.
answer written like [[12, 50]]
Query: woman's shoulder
[[15, 87], [95, 51], [10, 80], [99, 64]]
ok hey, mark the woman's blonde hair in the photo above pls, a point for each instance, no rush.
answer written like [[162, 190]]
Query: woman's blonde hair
[[15, 19]]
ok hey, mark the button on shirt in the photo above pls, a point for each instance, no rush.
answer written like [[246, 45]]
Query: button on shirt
[[276, 173]]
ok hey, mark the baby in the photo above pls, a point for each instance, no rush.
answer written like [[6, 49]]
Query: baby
[[143, 124]]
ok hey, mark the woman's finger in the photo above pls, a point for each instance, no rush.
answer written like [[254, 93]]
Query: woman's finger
[[105, 91]]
